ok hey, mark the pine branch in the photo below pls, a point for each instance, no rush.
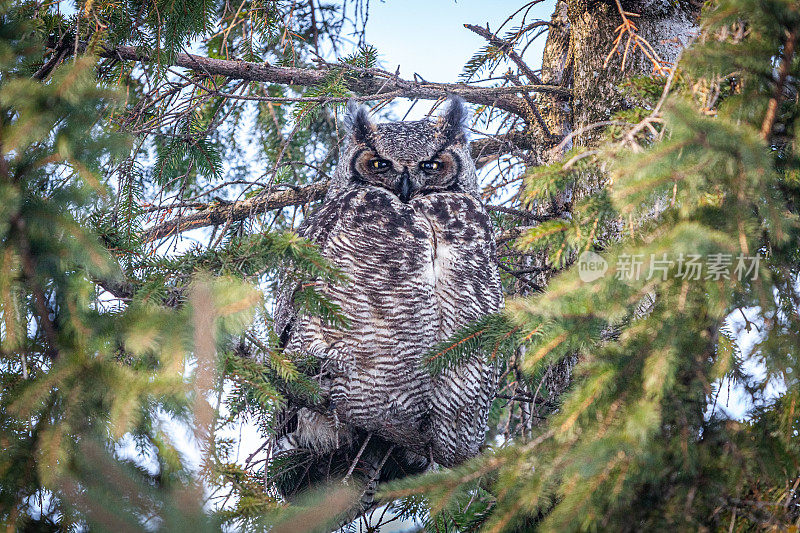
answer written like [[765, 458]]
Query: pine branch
[[368, 81], [29, 270], [216, 214], [62, 51], [508, 49], [512, 233], [518, 213]]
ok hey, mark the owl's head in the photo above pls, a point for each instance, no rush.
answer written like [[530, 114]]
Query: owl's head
[[409, 159]]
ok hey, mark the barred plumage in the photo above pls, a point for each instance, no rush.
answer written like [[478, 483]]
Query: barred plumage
[[404, 221]]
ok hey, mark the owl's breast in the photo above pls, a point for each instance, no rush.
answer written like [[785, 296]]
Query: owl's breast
[[465, 278], [385, 247], [456, 217], [418, 271]]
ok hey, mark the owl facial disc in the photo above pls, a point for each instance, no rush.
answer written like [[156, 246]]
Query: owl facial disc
[[408, 159]]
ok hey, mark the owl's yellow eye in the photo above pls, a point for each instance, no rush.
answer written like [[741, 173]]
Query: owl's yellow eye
[[379, 164], [430, 166]]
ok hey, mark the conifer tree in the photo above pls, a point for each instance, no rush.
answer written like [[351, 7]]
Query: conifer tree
[[85, 375], [705, 170], [125, 126]]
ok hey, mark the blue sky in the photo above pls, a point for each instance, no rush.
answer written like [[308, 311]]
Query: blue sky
[[428, 37]]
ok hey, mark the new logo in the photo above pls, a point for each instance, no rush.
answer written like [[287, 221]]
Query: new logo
[[591, 266]]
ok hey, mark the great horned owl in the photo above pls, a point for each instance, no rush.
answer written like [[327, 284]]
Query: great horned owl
[[404, 221]]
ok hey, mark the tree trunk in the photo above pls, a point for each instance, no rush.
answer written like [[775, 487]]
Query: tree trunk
[[665, 24], [582, 35]]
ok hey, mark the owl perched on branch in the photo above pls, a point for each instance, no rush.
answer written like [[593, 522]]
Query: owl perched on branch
[[404, 221]]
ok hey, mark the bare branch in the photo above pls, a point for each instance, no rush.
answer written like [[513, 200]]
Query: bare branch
[[532, 105], [366, 82], [215, 214], [220, 213], [487, 149]]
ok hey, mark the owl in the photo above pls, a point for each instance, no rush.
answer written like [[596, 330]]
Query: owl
[[403, 220]]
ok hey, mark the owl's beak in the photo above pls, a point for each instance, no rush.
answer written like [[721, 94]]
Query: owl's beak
[[404, 188]]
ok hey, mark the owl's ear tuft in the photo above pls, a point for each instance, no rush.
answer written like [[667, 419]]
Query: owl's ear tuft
[[358, 122], [453, 121]]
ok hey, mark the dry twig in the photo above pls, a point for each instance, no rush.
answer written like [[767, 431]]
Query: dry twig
[[630, 29]]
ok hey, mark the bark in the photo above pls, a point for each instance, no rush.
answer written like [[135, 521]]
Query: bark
[[368, 82], [575, 57], [582, 33], [557, 70], [665, 24]]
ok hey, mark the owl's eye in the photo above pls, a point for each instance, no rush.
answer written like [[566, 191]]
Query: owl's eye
[[430, 166], [379, 165]]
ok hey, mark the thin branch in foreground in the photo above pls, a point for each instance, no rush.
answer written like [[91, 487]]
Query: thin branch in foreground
[[214, 214], [355, 461]]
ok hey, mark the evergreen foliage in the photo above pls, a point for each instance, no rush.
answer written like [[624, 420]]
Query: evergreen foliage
[[639, 441], [110, 338], [87, 378]]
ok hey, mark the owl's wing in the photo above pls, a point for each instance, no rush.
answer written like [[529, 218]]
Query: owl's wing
[[317, 228], [468, 288]]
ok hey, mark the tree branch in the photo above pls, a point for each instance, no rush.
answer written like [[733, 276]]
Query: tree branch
[[215, 214], [533, 107], [508, 49], [512, 233], [783, 73], [28, 261], [61, 52], [486, 149], [365, 82]]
